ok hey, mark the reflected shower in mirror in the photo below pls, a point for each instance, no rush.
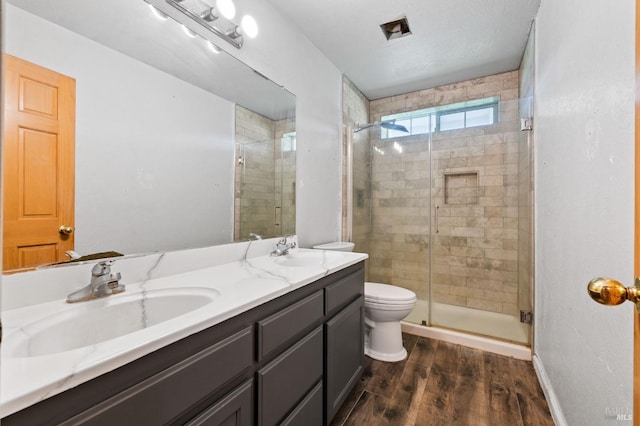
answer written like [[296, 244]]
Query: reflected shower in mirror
[[264, 176], [156, 158]]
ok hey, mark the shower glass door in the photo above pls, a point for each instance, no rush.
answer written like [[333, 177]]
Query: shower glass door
[[474, 276]]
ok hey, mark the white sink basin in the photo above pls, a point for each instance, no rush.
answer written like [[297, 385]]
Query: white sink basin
[[301, 258], [100, 320]]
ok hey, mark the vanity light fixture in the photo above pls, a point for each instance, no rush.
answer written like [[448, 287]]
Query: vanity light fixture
[[216, 16], [210, 14], [234, 33]]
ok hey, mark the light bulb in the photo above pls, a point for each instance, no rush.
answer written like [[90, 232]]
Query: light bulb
[[249, 26], [227, 8]]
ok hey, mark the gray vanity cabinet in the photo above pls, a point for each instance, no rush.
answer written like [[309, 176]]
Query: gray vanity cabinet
[[290, 361]]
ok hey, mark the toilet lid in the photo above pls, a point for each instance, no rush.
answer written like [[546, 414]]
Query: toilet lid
[[387, 294]]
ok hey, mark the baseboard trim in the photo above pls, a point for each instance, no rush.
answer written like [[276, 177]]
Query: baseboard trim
[[478, 342], [549, 393]]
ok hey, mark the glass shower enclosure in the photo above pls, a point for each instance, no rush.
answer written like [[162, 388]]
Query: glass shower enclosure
[[444, 210]]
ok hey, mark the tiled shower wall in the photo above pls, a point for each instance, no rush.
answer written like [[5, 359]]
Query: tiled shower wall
[[264, 196], [474, 189]]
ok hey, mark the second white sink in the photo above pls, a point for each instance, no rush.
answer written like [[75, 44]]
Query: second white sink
[[96, 321], [306, 257]]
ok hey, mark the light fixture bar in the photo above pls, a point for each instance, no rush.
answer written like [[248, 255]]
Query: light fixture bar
[[236, 42]]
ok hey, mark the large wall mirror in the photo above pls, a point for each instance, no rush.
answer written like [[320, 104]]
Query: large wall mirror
[[177, 145]]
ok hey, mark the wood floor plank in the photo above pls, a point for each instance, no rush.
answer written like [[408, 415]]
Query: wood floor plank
[[499, 388], [531, 401], [470, 405], [384, 380], [409, 342], [368, 411], [436, 407], [471, 364], [423, 351], [405, 402], [369, 371]]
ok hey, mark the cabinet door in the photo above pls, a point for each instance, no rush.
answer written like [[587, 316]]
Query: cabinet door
[[234, 409], [345, 354]]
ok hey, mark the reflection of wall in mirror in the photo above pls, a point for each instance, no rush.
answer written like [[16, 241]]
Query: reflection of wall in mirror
[[265, 176], [154, 154]]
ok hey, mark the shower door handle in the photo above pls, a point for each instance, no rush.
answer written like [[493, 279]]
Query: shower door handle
[[437, 209], [611, 292]]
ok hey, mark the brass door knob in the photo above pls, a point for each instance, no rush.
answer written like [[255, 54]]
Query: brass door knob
[[611, 292], [65, 230]]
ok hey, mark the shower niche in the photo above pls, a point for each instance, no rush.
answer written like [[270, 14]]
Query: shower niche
[[461, 188]]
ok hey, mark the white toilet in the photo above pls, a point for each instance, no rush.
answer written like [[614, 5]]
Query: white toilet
[[384, 307]]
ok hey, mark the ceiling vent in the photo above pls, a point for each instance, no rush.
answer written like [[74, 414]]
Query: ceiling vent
[[396, 29]]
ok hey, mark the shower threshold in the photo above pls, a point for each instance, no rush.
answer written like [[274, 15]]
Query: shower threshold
[[490, 331]]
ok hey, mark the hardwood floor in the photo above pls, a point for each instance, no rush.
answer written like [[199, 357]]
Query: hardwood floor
[[445, 384]]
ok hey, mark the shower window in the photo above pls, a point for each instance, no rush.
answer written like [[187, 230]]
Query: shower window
[[461, 115], [288, 142], [468, 117]]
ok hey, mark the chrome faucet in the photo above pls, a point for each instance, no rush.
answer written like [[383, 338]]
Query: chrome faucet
[[103, 283], [254, 236], [283, 247]]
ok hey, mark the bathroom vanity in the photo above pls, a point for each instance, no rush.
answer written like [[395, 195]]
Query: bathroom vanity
[[292, 357]]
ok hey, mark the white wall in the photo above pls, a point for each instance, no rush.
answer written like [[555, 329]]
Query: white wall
[[584, 105], [149, 148], [287, 57]]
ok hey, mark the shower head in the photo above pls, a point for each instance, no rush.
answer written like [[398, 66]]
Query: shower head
[[389, 124]]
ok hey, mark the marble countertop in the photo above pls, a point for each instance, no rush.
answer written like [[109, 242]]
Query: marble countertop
[[30, 375]]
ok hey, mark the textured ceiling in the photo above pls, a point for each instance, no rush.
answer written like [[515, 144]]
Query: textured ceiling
[[451, 41]]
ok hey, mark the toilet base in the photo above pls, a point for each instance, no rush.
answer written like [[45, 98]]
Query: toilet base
[[394, 357], [383, 341]]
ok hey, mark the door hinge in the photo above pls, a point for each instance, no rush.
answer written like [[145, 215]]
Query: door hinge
[[526, 124], [526, 317]]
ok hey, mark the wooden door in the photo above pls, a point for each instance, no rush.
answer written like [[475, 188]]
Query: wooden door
[[636, 267], [38, 165]]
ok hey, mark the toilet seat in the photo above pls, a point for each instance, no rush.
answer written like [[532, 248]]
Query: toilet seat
[[386, 295], [387, 306]]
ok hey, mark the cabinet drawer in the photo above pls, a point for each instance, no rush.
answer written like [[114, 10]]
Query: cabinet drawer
[[234, 409], [161, 398], [344, 291], [309, 411], [282, 326], [288, 378]]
